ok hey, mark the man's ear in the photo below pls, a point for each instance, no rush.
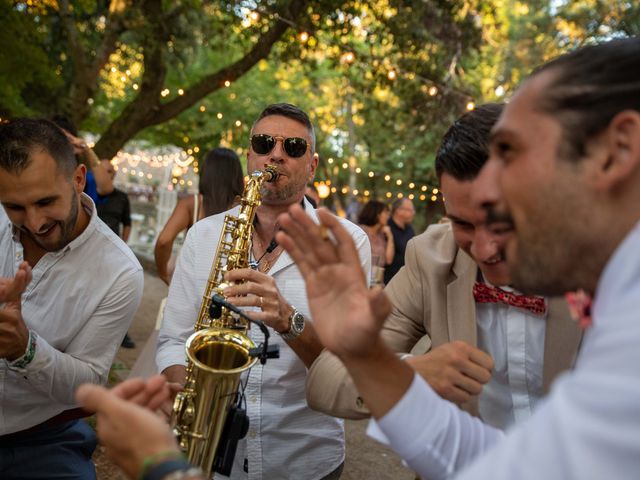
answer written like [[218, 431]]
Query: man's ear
[[315, 158], [622, 155], [80, 178]]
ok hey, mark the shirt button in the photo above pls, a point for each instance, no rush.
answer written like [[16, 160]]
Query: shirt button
[[252, 434], [253, 399]]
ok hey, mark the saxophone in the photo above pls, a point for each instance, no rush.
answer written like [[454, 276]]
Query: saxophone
[[219, 350]]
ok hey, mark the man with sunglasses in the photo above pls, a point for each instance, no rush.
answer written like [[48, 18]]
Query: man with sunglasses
[[286, 438]]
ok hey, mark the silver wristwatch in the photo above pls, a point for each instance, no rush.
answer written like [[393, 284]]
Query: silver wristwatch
[[296, 326]]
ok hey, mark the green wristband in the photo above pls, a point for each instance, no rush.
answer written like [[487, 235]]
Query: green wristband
[[157, 458], [26, 359]]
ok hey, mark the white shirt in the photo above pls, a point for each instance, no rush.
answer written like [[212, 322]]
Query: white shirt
[[286, 438], [587, 428], [514, 337], [79, 305]]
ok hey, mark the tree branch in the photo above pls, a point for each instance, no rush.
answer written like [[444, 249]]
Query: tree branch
[[145, 110], [113, 28], [214, 81]]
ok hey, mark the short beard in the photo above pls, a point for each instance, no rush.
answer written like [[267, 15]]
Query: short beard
[[67, 226], [282, 195]]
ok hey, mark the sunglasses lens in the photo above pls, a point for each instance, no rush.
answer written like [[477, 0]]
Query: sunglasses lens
[[262, 144], [295, 147]]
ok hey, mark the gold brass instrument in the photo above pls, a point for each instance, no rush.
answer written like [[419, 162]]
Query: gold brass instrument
[[218, 351]]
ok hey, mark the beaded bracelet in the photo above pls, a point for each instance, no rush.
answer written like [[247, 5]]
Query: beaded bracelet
[[157, 459], [27, 358]]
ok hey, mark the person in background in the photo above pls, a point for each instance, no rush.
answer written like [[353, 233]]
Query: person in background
[[220, 187], [373, 220], [97, 181], [114, 209], [402, 213], [312, 195]]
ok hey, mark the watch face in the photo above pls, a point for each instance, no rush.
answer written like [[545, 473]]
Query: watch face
[[297, 322]]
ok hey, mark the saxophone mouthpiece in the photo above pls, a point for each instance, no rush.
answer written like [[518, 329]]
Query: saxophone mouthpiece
[[271, 173]]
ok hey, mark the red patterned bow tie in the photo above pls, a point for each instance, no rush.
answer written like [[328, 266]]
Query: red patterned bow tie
[[484, 293]]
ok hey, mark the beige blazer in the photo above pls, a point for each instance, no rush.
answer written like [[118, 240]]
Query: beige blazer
[[433, 304]]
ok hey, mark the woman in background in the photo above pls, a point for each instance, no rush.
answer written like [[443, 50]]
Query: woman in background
[[220, 187], [373, 219]]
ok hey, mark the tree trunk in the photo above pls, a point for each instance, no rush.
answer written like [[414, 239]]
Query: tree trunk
[[147, 110]]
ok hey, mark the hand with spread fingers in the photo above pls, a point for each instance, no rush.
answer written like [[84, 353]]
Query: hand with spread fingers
[[129, 432], [347, 315], [259, 290], [455, 370]]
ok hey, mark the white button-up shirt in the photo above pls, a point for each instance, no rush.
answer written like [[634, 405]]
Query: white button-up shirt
[[286, 438], [587, 428], [79, 305], [514, 338]]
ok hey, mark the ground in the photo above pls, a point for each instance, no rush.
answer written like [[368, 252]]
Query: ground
[[366, 459]]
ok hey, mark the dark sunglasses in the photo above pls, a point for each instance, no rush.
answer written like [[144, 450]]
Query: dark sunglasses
[[263, 144]]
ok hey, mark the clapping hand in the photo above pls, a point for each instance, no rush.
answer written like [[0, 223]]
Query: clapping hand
[[11, 288], [14, 334], [129, 431], [455, 370]]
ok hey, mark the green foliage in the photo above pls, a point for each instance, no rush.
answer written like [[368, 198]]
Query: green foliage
[[382, 79], [26, 71]]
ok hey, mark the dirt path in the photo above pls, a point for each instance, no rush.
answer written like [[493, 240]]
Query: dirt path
[[366, 459]]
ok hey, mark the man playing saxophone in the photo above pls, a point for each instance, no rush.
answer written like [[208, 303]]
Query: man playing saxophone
[[286, 439]]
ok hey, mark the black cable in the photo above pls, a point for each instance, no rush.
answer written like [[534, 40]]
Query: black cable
[[218, 301], [272, 246]]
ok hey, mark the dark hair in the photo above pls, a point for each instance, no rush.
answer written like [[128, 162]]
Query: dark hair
[[20, 137], [465, 147], [397, 203], [370, 212], [66, 124], [590, 86], [294, 113], [221, 180]]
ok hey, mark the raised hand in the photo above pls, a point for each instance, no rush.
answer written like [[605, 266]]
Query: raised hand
[[456, 370], [14, 334], [11, 288], [347, 315]]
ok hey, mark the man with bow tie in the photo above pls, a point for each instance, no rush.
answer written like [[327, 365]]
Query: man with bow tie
[[490, 350]]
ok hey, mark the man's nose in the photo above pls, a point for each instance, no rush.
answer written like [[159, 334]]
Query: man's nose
[[34, 221], [278, 153], [484, 246], [486, 188]]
